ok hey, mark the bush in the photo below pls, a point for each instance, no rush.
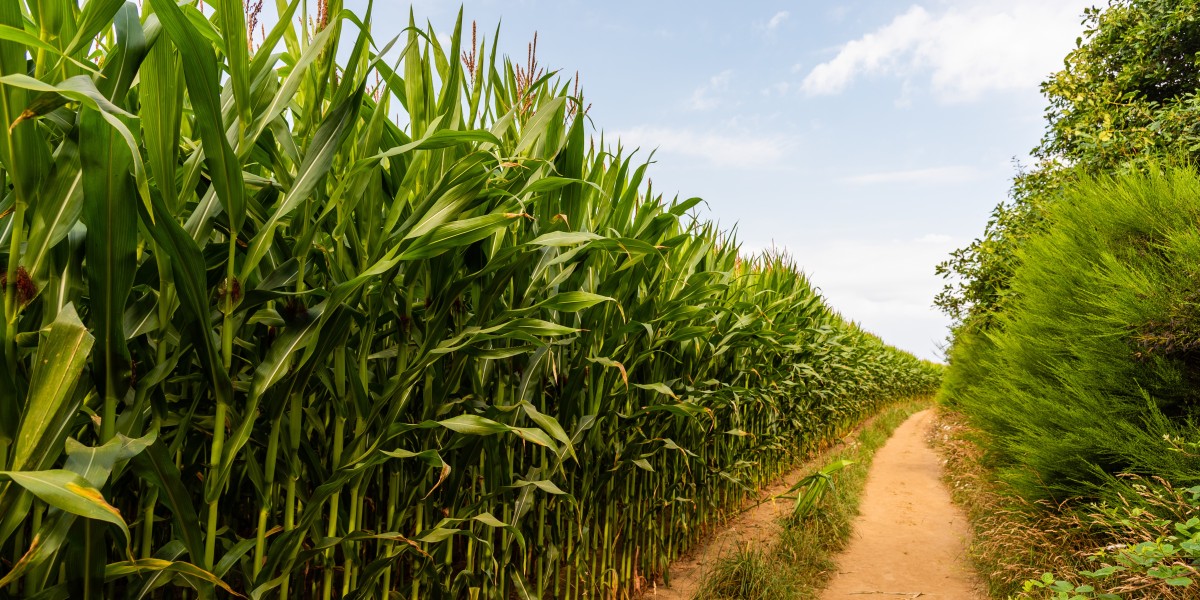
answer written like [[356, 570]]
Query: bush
[[1097, 362]]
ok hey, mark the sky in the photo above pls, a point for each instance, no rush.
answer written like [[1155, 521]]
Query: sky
[[868, 138]]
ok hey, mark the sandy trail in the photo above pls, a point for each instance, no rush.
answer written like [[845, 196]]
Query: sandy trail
[[909, 541]]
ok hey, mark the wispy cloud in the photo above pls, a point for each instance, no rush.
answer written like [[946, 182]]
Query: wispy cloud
[[778, 20], [933, 175], [736, 149], [886, 285], [779, 88], [965, 50], [706, 97]]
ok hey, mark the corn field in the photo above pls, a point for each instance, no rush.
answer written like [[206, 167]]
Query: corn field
[[279, 324]]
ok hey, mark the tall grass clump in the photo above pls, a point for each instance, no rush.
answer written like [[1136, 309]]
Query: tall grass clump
[[262, 339], [1093, 369]]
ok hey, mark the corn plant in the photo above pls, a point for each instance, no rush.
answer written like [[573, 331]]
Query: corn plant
[[282, 326]]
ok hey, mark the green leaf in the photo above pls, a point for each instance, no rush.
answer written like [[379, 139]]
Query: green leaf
[[203, 86], [565, 238], [550, 425], [542, 484], [287, 90], [537, 327], [189, 278], [24, 38], [456, 234], [156, 467], [443, 138], [58, 210], [279, 358], [94, 465], [110, 215], [574, 301], [548, 113], [161, 97], [474, 425], [60, 360], [82, 89], [317, 162], [681, 208], [119, 570], [657, 387], [535, 436], [67, 491], [96, 16], [232, 15], [50, 405], [491, 521], [643, 464]]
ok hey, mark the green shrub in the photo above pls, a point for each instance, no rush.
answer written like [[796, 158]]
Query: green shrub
[[1099, 356]]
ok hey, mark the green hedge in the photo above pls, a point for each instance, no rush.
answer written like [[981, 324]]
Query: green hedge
[[1097, 358]]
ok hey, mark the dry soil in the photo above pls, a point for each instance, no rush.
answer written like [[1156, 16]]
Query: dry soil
[[909, 541]]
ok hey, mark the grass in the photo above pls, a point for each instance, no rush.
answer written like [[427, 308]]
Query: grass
[[1019, 541], [749, 573], [799, 563], [1093, 363]]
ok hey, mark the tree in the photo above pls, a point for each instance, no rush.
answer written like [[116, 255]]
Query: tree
[[1125, 99]]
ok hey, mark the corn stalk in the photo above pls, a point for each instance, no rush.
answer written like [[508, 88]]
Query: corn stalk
[[262, 339]]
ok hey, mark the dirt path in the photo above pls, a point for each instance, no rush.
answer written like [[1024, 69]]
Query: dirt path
[[755, 528], [909, 541]]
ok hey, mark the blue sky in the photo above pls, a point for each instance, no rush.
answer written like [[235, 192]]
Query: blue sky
[[867, 137]]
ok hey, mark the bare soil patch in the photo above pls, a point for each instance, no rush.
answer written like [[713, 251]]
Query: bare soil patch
[[910, 540]]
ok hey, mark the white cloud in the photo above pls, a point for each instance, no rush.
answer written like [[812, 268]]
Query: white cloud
[[735, 149], [930, 176], [887, 286], [777, 20], [966, 50], [704, 97]]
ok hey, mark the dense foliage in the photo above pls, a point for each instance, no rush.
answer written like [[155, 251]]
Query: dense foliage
[[261, 338], [1093, 368], [1075, 350], [1125, 99]]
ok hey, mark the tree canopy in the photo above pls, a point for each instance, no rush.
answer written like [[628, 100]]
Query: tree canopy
[[1124, 100]]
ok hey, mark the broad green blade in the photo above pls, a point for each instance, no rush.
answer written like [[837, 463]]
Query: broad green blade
[[67, 491], [200, 72], [61, 358], [110, 214]]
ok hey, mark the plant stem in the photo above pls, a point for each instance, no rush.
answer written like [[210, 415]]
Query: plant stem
[[218, 444]]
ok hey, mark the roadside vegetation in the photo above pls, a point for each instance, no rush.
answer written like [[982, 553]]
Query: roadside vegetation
[[801, 560], [1076, 353], [1140, 546], [281, 326]]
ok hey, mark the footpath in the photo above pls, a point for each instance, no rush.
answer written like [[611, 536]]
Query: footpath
[[910, 540]]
